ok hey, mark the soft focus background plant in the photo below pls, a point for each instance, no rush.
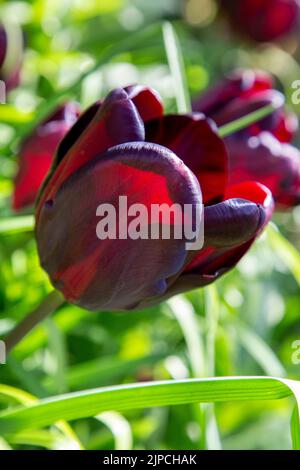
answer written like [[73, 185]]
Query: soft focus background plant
[[245, 325]]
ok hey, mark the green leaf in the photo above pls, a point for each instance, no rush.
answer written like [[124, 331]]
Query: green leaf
[[287, 253], [11, 115], [17, 224], [176, 64], [259, 350], [245, 121], [26, 399], [136, 396], [57, 349], [119, 427], [295, 428], [134, 41], [186, 316], [104, 370]]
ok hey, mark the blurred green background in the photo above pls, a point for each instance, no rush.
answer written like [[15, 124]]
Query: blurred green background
[[245, 325]]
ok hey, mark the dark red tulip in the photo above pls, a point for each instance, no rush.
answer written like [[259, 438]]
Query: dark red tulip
[[259, 152], [37, 153], [11, 54], [273, 163], [125, 146], [245, 91], [263, 20]]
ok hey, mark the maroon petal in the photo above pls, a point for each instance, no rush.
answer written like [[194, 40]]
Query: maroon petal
[[243, 92], [230, 229], [287, 127], [37, 153], [120, 273], [243, 106], [147, 101], [263, 20], [116, 121], [268, 161], [240, 83], [3, 45], [195, 140]]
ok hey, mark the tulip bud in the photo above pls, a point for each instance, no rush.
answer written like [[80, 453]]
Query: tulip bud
[[241, 93], [259, 152], [37, 153], [263, 20], [125, 147], [265, 159]]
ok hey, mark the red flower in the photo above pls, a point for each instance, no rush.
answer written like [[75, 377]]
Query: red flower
[[260, 151], [275, 164], [11, 54], [37, 152], [263, 20], [126, 146]]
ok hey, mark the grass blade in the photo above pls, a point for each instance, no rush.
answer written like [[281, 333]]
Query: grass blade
[[177, 68], [186, 317], [135, 396], [245, 121], [21, 223], [287, 253], [119, 427], [259, 350], [295, 429]]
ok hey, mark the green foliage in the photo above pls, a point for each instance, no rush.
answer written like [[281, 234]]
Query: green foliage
[[151, 366]]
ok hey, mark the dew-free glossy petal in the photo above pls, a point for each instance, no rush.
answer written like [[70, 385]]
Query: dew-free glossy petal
[[114, 274], [194, 139], [114, 122], [268, 161]]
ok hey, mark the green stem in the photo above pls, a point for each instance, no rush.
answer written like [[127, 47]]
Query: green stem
[[48, 305], [245, 121]]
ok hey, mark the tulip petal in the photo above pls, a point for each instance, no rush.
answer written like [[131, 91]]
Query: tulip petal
[[269, 162], [194, 139], [240, 83], [3, 45], [115, 122], [287, 127], [242, 106], [114, 274], [230, 229], [37, 153], [146, 100]]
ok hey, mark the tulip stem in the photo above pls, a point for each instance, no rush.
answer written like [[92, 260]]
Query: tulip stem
[[245, 121], [48, 306]]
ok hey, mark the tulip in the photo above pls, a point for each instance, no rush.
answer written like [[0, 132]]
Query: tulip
[[11, 52], [262, 151], [263, 20], [126, 146], [37, 152], [273, 163], [242, 92]]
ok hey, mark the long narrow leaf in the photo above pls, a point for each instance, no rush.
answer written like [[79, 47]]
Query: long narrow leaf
[[176, 65], [135, 396], [287, 253], [17, 224]]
